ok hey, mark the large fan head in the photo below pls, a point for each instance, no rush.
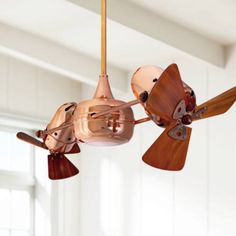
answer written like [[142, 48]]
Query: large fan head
[[59, 139], [172, 103]]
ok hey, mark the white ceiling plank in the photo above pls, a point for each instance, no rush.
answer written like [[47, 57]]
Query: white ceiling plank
[[161, 29], [57, 58], [214, 19]]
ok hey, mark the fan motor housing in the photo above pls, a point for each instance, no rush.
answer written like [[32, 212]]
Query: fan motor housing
[[107, 130], [64, 139]]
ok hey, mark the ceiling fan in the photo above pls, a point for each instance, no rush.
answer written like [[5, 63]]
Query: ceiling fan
[[103, 120]]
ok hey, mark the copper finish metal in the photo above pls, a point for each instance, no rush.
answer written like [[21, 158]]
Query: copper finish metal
[[111, 129], [140, 121], [59, 139], [103, 89], [144, 79], [62, 140], [116, 108], [103, 37], [43, 133]]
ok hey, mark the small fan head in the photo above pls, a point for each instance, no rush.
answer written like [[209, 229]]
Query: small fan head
[[64, 139], [144, 79]]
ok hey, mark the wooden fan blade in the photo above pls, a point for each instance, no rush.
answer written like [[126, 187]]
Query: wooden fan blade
[[167, 153], [216, 106], [29, 139], [75, 149], [59, 167], [166, 94]]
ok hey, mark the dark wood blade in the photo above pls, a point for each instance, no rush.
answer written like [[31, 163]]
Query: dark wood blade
[[166, 94], [216, 106], [167, 153], [75, 149], [59, 167], [29, 139]]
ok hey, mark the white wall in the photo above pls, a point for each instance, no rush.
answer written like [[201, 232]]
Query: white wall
[[29, 91], [116, 194]]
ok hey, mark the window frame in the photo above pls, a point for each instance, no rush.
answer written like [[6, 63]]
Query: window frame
[[23, 181]]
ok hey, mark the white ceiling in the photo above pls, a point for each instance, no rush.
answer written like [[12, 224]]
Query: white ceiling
[[79, 29], [215, 19]]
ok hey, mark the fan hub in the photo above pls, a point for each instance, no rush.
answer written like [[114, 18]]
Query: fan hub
[[186, 119]]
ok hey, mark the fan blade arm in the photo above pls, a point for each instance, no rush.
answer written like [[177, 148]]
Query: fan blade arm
[[141, 121], [116, 108], [42, 133]]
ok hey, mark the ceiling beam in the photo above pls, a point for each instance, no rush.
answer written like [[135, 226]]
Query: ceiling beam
[[57, 58], [161, 29]]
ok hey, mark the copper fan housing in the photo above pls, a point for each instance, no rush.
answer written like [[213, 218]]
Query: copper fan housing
[[145, 78], [109, 130], [61, 140]]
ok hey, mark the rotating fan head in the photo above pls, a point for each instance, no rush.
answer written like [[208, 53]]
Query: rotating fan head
[[59, 139], [146, 80], [172, 104]]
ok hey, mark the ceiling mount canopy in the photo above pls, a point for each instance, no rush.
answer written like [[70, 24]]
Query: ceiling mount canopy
[[103, 88]]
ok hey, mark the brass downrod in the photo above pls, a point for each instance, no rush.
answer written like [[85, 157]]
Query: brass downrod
[[103, 37]]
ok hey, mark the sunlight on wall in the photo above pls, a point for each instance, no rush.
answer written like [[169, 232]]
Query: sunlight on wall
[[43, 194], [112, 198], [42, 226]]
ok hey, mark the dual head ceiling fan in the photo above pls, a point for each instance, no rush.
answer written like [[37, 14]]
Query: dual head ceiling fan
[[105, 121]]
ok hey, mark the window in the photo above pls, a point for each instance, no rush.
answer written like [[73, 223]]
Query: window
[[25, 190], [16, 185], [30, 203]]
